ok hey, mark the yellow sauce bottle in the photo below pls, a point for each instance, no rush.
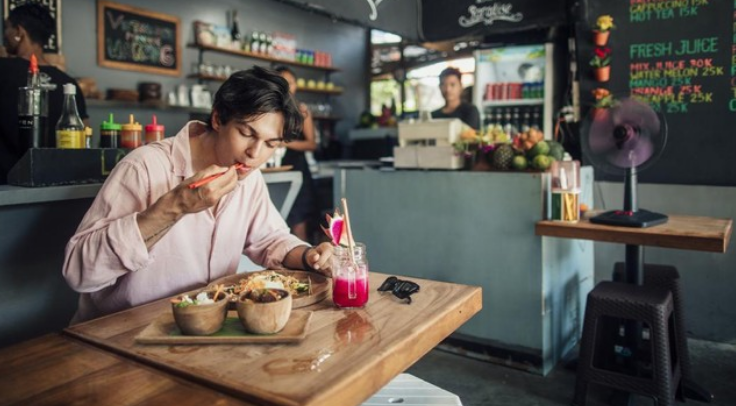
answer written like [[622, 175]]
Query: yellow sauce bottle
[[70, 128], [131, 135]]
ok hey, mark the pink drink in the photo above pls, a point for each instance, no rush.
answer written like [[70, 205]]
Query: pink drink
[[344, 296]]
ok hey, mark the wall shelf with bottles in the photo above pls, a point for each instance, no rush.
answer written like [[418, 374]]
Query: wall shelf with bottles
[[260, 56], [513, 102], [214, 78], [121, 104]]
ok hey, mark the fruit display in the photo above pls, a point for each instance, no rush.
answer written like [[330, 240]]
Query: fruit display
[[528, 151], [503, 155]]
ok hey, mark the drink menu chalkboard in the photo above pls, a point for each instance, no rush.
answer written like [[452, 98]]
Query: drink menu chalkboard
[[680, 55], [131, 38]]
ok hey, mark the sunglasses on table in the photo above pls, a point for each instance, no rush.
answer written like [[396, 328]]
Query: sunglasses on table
[[400, 288]]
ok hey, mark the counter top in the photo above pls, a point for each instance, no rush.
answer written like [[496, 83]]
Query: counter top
[[13, 195]]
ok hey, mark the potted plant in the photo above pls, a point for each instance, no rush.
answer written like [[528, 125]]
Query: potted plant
[[601, 64], [603, 101], [603, 27]]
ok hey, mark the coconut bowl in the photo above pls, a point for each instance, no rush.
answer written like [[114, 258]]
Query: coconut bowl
[[264, 317], [202, 319]]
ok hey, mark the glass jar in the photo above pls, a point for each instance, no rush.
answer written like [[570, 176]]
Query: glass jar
[[349, 279]]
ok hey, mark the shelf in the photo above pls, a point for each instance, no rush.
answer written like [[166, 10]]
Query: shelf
[[320, 91], [121, 104], [261, 57], [212, 78], [513, 102]]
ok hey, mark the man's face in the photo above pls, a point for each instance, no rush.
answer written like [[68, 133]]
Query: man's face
[[451, 88], [9, 34], [248, 142]]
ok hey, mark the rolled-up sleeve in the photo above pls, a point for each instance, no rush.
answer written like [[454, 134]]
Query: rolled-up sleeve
[[108, 243], [268, 240]]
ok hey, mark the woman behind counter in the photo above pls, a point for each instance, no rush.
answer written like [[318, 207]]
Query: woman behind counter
[[148, 235], [304, 206], [452, 89]]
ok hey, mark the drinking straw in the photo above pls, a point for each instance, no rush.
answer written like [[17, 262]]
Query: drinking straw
[[351, 243]]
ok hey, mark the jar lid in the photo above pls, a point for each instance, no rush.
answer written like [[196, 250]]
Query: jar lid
[[154, 127], [110, 125], [132, 125]]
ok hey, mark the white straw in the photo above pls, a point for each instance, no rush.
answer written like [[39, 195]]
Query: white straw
[[351, 243]]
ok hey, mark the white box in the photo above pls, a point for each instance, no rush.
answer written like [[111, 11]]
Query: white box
[[414, 156], [439, 132]]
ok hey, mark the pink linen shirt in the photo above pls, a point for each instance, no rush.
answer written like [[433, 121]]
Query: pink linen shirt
[[107, 260]]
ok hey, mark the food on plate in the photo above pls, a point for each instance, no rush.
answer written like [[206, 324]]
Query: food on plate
[[273, 280]]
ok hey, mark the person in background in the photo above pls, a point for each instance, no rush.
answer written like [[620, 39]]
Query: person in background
[[452, 89], [304, 206], [149, 235], [26, 30]]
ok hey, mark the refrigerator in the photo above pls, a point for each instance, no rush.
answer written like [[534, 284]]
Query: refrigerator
[[514, 87]]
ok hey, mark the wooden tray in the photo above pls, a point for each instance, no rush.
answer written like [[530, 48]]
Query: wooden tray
[[163, 330], [320, 285]]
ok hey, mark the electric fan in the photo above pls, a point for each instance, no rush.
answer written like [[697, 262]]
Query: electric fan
[[625, 139]]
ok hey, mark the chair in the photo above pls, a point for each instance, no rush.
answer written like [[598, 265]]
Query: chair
[[410, 390], [666, 277], [651, 370]]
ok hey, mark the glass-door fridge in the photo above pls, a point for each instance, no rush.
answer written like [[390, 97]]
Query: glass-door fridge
[[514, 89]]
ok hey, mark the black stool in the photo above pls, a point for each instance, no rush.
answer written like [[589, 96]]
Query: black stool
[[666, 277], [655, 371]]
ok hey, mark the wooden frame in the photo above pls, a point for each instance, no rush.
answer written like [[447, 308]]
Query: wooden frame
[[54, 7], [103, 60]]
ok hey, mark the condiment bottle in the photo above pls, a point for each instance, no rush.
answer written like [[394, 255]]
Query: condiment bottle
[[154, 131], [33, 110], [88, 137], [130, 136], [110, 134], [70, 128]]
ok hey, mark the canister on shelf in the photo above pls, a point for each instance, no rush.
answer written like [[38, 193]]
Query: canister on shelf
[[130, 136], [154, 131], [110, 134]]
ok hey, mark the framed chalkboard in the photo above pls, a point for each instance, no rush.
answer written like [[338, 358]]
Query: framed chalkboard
[[130, 38], [680, 56], [53, 46]]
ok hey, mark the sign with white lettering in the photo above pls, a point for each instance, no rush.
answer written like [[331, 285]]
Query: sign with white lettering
[[681, 57], [131, 38], [53, 46], [450, 19]]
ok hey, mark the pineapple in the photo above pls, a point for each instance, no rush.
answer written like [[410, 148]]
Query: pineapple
[[502, 156]]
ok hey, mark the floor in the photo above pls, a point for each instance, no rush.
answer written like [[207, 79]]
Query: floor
[[479, 383]]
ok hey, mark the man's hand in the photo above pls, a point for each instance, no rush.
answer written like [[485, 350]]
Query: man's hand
[[320, 258]]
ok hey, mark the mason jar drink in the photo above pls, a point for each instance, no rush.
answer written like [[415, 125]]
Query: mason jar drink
[[349, 279]]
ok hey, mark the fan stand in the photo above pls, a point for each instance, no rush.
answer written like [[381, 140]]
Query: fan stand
[[630, 216]]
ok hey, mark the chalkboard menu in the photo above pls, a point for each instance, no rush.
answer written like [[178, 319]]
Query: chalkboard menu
[[681, 57], [131, 38], [53, 46]]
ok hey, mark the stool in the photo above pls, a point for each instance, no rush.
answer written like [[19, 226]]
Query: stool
[[667, 277], [644, 304], [409, 390]]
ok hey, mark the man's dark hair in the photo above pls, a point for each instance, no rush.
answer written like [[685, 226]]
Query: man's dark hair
[[451, 72], [35, 19], [248, 94]]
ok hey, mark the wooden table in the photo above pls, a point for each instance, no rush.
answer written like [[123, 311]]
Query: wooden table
[[682, 232], [347, 356], [58, 370]]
